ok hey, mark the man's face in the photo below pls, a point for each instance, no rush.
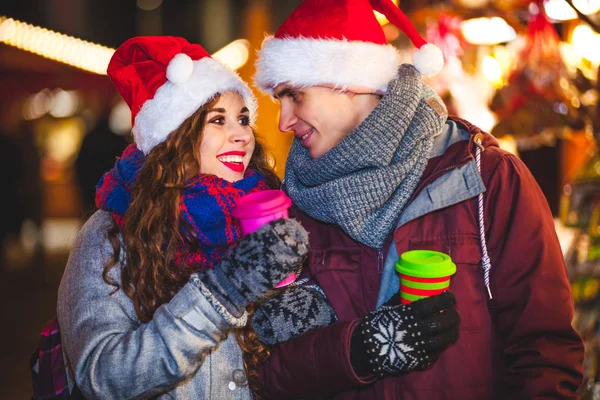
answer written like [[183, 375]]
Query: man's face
[[320, 117]]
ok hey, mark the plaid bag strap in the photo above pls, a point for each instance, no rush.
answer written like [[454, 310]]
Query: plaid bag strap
[[48, 372]]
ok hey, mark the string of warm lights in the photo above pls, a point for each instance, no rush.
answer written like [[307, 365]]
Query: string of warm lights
[[86, 55], [55, 46]]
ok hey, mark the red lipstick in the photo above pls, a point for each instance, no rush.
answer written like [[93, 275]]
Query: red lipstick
[[236, 167]]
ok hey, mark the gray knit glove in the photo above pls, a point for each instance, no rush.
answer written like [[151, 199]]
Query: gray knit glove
[[291, 312], [401, 337], [256, 263]]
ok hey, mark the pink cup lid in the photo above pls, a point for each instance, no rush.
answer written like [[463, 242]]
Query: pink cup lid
[[261, 203]]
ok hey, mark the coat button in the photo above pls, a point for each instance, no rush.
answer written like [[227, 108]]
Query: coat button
[[239, 377], [232, 385]]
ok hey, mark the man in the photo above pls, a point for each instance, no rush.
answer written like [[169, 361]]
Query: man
[[378, 168]]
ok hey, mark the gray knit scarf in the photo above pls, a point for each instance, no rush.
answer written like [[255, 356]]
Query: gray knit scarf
[[365, 181]]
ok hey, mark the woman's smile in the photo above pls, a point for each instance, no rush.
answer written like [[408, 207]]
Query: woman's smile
[[233, 160]]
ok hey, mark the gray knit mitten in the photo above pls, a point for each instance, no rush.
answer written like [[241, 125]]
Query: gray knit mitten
[[256, 263], [291, 312]]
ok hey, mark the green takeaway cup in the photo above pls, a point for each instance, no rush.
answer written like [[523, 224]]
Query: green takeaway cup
[[423, 273]]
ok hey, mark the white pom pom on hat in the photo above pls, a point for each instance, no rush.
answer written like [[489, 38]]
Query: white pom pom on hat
[[180, 68], [428, 59]]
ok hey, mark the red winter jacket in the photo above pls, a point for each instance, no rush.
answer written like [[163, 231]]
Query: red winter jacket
[[519, 345]]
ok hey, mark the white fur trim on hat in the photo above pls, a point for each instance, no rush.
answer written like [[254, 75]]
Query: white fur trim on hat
[[341, 63], [173, 103]]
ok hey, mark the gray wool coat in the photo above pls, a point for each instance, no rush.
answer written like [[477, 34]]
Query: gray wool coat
[[185, 352]]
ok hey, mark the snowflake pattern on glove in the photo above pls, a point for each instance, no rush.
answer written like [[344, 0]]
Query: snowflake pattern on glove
[[386, 343], [395, 354], [397, 338]]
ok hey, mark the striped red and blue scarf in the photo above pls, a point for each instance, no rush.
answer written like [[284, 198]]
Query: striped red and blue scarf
[[205, 206]]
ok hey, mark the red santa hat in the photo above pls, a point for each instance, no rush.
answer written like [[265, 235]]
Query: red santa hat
[[164, 80], [340, 43]]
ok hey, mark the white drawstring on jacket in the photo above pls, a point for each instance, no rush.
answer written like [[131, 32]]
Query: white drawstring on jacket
[[485, 260]]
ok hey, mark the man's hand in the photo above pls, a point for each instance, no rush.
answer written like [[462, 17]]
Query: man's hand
[[398, 338]]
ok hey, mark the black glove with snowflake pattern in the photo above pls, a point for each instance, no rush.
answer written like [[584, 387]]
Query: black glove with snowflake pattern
[[398, 337]]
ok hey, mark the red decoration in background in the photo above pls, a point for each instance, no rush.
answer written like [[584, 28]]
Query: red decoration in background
[[446, 35], [527, 104], [543, 63]]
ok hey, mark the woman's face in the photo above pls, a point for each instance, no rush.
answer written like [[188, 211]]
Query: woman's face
[[227, 141]]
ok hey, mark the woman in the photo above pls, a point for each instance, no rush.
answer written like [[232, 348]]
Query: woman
[[153, 283]]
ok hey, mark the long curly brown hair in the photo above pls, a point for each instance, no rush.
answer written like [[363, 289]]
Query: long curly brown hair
[[255, 353], [153, 225]]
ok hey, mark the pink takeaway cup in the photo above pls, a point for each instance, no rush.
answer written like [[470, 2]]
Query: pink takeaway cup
[[256, 209]]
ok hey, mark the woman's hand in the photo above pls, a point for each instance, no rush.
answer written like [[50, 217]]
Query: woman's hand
[[256, 263]]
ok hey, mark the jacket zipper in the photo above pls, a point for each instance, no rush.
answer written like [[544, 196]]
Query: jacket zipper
[[380, 260]]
